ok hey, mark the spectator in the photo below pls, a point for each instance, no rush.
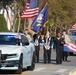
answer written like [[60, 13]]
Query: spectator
[[67, 40], [26, 32]]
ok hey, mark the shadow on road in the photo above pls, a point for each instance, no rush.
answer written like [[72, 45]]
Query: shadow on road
[[10, 72], [7, 72]]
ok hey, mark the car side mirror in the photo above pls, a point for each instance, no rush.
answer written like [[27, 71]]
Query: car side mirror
[[26, 43]]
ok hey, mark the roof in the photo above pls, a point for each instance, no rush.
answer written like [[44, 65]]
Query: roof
[[10, 33]]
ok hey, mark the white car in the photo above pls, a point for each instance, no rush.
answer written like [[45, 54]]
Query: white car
[[16, 52]]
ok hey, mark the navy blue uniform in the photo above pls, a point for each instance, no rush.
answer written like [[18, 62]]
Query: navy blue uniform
[[37, 47], [59, 49], [47, 48]]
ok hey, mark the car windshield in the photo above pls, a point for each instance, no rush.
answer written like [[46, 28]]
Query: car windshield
[[9, 40]]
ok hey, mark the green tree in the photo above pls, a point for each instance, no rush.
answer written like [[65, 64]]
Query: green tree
[[62, 13], [3, 25]]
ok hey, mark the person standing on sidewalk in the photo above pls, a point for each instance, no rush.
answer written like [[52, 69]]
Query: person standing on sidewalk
[[26, 32], [67, 41]]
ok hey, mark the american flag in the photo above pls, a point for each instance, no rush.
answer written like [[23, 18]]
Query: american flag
[[71, 47], [31, 9], [74, 27]]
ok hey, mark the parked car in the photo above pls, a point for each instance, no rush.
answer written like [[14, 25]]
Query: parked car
[[16, 52]]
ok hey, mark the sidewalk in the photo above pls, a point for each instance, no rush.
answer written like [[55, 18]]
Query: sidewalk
[[73, 72]]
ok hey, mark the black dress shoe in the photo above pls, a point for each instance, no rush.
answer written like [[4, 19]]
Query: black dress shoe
[[57, 63], [48, 61], [66, 59], [37, 61], [60, 63]]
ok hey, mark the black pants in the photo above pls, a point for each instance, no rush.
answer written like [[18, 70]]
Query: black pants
[[47, 55], [59, 54], [37, 48], [65, 55]]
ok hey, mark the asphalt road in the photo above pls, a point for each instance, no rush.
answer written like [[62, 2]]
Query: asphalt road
[[49, 69]]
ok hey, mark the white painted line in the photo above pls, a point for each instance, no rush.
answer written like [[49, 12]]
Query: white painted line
[[39, 69], [72, 72], [62, 70]]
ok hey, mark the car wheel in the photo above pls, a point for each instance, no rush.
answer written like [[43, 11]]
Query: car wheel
[[19, 71], [32, 64]]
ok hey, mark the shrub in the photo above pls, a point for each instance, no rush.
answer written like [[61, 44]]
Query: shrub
[[3, 24]]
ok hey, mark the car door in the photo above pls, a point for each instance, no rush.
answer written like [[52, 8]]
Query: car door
[[27, 53]]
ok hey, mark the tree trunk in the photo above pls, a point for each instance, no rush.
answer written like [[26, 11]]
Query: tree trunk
[[19, 22]]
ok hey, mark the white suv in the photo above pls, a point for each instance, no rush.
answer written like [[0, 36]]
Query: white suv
[[16, 52]]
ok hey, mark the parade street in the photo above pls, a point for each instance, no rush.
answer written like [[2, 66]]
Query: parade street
[[50, 69], [38, 37]]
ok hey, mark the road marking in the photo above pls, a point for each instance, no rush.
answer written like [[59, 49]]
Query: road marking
[[62, 70], [48, 65], [25, 73], [39, 69]]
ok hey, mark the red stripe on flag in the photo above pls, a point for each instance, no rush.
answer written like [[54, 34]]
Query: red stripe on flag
[[71, 47], [28, 16], [29, 13]]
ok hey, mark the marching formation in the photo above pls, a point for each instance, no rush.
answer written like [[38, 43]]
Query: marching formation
[[48, 41]]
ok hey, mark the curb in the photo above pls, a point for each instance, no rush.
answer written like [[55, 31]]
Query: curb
[[72, 72]]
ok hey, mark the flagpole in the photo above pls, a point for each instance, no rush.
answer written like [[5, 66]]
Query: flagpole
[[24, 24], [39, 22], [27, 15]]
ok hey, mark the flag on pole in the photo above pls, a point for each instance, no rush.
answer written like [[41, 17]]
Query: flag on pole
[[40, 20], [31, 9], [74, 27]]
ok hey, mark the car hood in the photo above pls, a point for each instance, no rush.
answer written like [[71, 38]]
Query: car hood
[[10, 49]]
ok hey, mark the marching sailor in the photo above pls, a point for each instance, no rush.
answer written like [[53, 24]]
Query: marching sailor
[[47, 47], [37, 46], [58, 44]]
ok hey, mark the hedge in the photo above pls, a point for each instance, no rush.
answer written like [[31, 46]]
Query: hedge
[[3, 24]]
